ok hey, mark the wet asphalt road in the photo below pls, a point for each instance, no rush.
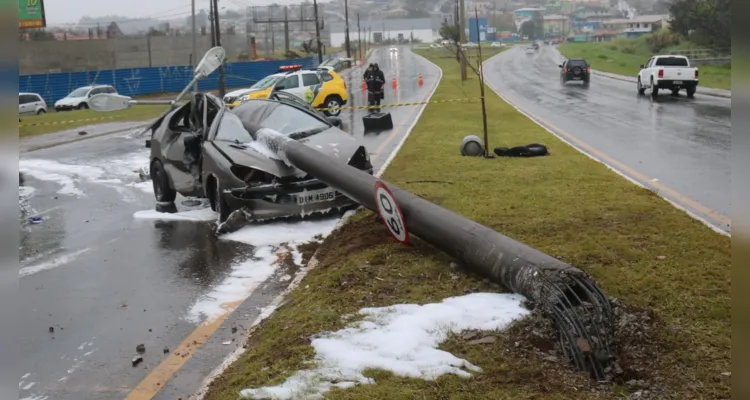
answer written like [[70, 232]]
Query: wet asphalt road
[[105, 281], [682, 144]]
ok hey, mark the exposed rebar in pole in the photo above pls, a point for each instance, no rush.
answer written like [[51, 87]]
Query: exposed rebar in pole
[[346, 34], [222, 84], [317, 32], [481, 86], [462, 34], [193, 61]]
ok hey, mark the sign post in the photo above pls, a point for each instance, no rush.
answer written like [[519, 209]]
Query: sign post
[[31, 14], [391, 213]]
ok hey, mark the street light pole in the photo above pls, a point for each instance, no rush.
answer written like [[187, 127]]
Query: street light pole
[[346, 37], [222, 84], [317, 32], [193, 61], [359, 38]]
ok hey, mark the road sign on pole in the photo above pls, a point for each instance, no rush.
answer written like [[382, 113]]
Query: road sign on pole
[[391, 213], [31, 14]]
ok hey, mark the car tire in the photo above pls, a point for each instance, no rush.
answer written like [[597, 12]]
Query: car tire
[[218, 203], [641, 89], [160, 180], [331, 102], [82, 106], [40, 112], [654, 90], [690, 91]]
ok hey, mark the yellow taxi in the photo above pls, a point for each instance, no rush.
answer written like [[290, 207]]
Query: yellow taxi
[[321, 88]]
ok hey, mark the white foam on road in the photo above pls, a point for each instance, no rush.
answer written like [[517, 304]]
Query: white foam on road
[[110, 172], [247, 275], [402, 339], [51, 264], [200, 215]]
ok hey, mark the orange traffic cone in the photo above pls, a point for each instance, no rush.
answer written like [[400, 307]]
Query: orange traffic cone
[[420, 81], [364, 85], [393, 83]]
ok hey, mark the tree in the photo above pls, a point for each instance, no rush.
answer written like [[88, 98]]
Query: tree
[[528, 28], [705, 22], [450, 32], [308, 47]]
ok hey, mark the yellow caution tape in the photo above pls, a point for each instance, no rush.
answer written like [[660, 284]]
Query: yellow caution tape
[[72, 121], [419, 103]]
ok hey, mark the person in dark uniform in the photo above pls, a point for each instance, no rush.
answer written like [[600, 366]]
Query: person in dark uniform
[[375, 80], [368, 71]]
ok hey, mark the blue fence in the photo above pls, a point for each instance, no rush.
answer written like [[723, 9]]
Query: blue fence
[[150, 80]]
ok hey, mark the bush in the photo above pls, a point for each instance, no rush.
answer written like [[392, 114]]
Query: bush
[[662, 39], [630, 49]]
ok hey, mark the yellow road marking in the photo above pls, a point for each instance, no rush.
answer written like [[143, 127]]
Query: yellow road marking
[[159, 376]]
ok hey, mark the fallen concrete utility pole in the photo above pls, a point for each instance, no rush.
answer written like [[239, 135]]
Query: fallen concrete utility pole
[[582, 313]]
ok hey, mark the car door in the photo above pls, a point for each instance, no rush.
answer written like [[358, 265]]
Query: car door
[[291, 84], [311, 84], [643, 74], [24, 104]]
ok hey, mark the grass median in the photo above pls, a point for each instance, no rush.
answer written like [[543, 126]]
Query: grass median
[[625, 57], [58, 121], [641, 250]]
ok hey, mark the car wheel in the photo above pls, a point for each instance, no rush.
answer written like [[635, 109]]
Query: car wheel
[[160, 180], [641, 89], [219, 203], [654, 89], [690, 91], [40, 112], [82, 106], [333, 102]]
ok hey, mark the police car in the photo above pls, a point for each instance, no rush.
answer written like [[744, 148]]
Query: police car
[[321, 88]]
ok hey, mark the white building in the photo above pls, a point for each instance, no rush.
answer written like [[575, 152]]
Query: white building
[[424, 29]]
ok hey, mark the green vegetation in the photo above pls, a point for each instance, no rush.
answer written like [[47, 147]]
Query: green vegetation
[[57, 121], [640, 249], [625, 56]]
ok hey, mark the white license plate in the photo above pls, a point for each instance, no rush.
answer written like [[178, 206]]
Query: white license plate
[[677, 82], [315, 196]]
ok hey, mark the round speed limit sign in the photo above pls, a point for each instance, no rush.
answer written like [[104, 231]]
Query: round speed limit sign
[[391, 213]]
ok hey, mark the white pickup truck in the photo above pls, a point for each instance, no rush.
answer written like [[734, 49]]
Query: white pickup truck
[[668, 72]]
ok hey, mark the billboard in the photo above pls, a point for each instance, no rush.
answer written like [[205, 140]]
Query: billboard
[[31, 14]]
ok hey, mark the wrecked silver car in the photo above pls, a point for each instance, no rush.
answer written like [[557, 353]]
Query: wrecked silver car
[[204, 149]]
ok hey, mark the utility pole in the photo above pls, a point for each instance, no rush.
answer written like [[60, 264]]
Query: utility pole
[[286, 29], [481, 85], [222, 84], [211, 18], [462, 35], [359, 38], [346, 35], [317, 32], [193, 62], [457, 39]]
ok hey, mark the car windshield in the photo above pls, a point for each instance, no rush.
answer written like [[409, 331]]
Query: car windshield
[[232, 130], [80, 92], [266, 82], [671, 62], [291, 121]]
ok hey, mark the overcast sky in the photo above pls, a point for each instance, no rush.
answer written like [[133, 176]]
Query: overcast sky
[[69, 11]]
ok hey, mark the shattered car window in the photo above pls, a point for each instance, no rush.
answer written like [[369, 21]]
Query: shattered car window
[[266, 82], [287, 120], [232, 130]]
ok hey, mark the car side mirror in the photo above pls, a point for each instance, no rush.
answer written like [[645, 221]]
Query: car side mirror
[[642, 66], [560, 65]]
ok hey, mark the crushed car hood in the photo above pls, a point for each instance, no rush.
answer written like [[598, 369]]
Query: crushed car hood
[[332, 142]]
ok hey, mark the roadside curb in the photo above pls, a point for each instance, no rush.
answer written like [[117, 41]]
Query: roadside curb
[[78, 139]]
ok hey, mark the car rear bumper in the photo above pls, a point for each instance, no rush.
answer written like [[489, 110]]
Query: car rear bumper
[[672, 84], [281, 201], [581, 77]]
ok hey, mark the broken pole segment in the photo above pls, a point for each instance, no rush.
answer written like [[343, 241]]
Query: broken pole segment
[[582, 313]]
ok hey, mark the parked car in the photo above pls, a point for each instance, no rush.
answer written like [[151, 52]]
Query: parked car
[[31, 103], [435, 46], [336, 64], [497, 44], [79, 98], [205, 149], [320, 87], [530, 50], [668, 72], [575, 69]]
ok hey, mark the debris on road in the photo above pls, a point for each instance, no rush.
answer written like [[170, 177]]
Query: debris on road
[[166, 350], [137, 360], [141, 348], [51, 329]]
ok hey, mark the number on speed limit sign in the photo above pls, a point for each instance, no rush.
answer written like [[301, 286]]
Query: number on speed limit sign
[[391, 213]]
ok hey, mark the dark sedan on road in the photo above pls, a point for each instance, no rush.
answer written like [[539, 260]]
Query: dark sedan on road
[[203, 149], [575, 69]]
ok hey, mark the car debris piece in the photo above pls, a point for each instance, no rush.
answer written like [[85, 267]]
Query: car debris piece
[[166, 350], [137, 360], [51, 329], [530, 150], [472, 146], [141, 348]]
